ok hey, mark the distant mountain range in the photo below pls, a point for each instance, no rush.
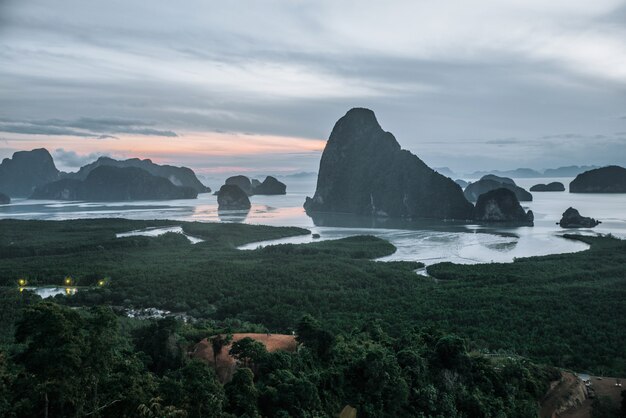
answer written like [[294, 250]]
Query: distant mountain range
[[111, 183], [301, 175], [34, 174], [179, 176], [568, 171]]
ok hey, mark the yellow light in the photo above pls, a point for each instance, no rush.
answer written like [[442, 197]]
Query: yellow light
[[68, 280], [101, 283], [22, 282]]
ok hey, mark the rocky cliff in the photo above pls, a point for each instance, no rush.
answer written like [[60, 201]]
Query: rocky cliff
[[364, 171], [573, 219], [109, 183], [232, 197], [501, 205], [490, 182], [243, 182], [270, 186], [178, 176], [611, 179], [20, 175], [555, 186]]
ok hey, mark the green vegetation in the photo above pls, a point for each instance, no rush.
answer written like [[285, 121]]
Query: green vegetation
[[562, 310], [77, 363]]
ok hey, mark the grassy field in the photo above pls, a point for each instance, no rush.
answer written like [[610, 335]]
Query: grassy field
[[565, 310]]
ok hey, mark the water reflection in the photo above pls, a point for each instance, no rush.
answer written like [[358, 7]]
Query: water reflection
[[158, 231], [48, 292], [233, 216], [429, 241]]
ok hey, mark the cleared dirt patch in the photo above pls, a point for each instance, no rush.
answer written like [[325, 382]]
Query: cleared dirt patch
[[565, 398], [226, 365]]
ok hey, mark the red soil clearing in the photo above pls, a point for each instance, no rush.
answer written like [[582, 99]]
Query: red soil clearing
[[226, 364]]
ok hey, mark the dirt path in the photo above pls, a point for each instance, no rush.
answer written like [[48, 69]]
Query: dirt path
[[570, 398]]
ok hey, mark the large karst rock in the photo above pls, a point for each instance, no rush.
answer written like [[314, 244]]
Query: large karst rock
[[20, 175], [499, 179], [270, 186], [109, 183], [231, 197], [490, 182], [573, 219], [611, 179], [178, 176], [501, 205], [252, 187], [243, 182], [555, 186], [364, 171], [4, 199]]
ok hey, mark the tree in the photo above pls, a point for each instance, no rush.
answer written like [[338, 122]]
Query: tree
[[450, 352], [194, 388], [248, 351], [161, 342], [99, 357], [310, 333], [154, 409], [242, 395], [54, 342], [287, 394], [218, 342], [603, 407], [76, 365], [6, 380]]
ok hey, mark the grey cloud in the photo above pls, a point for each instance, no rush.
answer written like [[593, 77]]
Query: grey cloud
[[83, 127], [428, 100], [18, 128], [71, 159], [503, 141], [576, 136]]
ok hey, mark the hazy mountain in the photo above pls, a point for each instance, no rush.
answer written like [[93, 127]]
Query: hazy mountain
[[445, 171], [178, 176], [570, 171], [109, 183], [516, 173], [301, 175]]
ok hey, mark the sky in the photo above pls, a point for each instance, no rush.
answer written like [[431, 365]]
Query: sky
[[256, 86]]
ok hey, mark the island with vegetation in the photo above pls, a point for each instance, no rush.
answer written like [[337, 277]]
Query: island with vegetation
[[491, 182], [610, 179], [555, 186], [111, 183]]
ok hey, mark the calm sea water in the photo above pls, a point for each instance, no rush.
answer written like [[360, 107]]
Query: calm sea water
[[427, 241]]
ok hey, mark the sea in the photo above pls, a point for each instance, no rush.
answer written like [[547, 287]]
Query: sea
[[428, 241]]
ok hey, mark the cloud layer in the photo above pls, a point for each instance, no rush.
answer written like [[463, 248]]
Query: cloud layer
[[442, 76]]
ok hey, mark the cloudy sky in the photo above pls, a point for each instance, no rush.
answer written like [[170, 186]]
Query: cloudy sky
[[256, 86]]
